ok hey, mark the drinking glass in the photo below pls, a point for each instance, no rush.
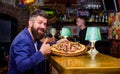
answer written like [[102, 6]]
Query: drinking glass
[[53, 32]]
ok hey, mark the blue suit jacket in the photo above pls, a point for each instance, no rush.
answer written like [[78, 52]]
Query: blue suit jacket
[[24, 59]]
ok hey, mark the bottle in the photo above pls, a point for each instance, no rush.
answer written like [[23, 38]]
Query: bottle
[[116, 33], [113, 34], [106, 18], [96, 18], [103, 18]]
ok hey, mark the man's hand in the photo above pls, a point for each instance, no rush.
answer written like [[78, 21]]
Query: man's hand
[[45, 48], [49, 40], [62, 40]]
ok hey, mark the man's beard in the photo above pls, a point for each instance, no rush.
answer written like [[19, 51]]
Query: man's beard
[[36, 35]]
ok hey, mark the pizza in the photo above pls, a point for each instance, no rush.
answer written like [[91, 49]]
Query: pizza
[[68, 47]]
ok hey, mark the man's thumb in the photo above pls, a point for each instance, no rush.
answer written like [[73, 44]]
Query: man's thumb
[[45, 41]]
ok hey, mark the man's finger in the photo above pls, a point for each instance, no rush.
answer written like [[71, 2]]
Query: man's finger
[[45, 41]]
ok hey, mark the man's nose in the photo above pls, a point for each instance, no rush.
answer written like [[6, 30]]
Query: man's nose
[[43, 25]]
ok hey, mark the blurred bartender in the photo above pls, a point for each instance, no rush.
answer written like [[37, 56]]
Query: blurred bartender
[[80, 21]]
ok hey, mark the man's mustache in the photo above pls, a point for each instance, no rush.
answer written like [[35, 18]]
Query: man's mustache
[[41, 29]]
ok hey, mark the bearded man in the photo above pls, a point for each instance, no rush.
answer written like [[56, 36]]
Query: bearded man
[[25, 57]]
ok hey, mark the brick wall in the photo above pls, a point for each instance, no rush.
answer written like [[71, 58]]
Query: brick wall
[[15, 12]]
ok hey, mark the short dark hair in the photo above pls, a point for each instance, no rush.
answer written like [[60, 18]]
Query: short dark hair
[[81, 17], [38, 12]]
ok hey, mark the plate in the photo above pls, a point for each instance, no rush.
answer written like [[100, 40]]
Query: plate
[[61, 49]]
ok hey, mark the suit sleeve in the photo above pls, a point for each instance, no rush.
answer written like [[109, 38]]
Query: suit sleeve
[[26, 57], [51, 43]]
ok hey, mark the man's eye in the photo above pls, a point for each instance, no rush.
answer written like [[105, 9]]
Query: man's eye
[[45, 24], [40, 22]]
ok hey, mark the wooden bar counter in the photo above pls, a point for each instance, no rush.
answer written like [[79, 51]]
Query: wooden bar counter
[[103, 64]]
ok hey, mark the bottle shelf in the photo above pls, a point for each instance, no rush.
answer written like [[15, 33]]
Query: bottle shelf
[[87, 23]]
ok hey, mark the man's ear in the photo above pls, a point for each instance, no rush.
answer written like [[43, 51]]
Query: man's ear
[[30, 23]]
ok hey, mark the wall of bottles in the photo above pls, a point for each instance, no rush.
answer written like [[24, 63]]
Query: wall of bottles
[[89, 4], [92, 9]]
